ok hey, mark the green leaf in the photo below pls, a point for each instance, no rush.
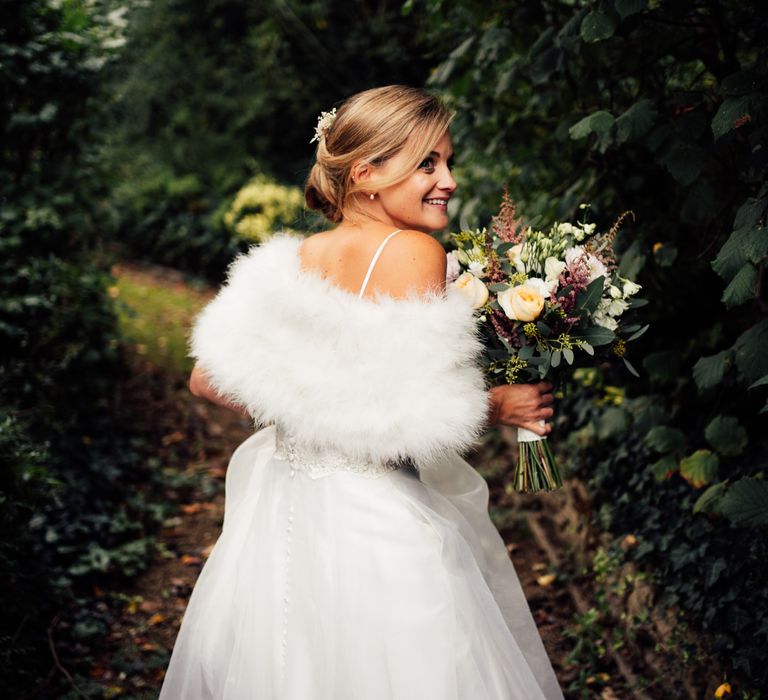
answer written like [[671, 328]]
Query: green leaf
[[730, 112], [597, 26], [497, 287], [636, 122], [587, 301], [600, 123], [586, 347], [556, 358], [613, 421], [709, 371], [744, 245], [742, 287], [630, 367], [746, 502], [665, 255], [638, 333], [662, 366], [709, 501], [699, 468], [684, 161], [760, 382], [664, 468], [598, 335], [751, 352], [726, 435], [568, 355], [662, 438], [626, 8]]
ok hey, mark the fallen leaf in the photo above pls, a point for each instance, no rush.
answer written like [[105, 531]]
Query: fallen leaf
[[539, 566], [190, 560], [156, 619], [546, 580]]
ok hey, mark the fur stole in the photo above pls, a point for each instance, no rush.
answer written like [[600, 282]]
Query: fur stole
[[379, 378]]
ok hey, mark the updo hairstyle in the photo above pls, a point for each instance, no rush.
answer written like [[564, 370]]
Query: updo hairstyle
[[373, 126]]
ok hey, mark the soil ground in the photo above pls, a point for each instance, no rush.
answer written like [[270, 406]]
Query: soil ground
[[194, 440]]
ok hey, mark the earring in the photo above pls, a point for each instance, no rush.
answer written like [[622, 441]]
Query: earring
[[373, 196]]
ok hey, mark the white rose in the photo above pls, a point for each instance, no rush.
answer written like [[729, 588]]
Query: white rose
[[472, 288], [453, 268], [514, 254], [521, 303], [553, 268]]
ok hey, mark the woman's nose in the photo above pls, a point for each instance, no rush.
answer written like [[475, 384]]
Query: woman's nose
[[446, 181]]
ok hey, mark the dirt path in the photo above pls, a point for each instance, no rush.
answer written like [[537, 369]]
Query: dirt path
[[194, 441]]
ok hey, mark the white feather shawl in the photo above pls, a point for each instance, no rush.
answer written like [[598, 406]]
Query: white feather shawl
[[379, 378]]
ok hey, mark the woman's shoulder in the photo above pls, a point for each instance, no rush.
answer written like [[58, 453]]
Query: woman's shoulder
[[410, 260]]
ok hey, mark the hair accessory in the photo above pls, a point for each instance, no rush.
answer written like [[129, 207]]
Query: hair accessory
[[324, 124]]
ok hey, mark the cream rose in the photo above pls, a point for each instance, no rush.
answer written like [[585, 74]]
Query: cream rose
[[514, 254], [521, 303], [473, 288]]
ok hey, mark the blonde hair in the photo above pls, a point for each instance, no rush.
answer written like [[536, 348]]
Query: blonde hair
[[373, 126]]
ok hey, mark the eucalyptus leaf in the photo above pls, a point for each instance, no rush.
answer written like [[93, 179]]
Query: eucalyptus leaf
[[568, 355], [638, 333], [630, 367], [598, 335]]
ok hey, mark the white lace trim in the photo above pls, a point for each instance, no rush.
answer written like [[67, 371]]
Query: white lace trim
[[317, 463]]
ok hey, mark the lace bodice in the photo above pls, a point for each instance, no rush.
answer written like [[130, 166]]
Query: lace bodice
[[316, 463]]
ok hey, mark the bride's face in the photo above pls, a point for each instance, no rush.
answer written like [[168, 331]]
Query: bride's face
[[420, 201]]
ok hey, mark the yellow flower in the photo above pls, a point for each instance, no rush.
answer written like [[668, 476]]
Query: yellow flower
[[522, 303]]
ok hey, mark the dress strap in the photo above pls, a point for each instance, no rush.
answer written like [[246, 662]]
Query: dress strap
[[373, 262]]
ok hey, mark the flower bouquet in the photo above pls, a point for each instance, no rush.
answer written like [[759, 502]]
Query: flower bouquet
[[548, 301]]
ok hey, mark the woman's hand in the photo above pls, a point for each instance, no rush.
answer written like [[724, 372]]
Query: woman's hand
[[522, 406], [199, 386]]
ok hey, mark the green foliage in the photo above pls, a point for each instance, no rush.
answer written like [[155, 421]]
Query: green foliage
[[208, 94], [659, 108], [66, 465]]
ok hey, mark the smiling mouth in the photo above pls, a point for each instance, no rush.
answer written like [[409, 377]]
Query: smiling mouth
[[437, 201]]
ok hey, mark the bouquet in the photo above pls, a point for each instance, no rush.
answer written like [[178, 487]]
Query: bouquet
[[548, 301]]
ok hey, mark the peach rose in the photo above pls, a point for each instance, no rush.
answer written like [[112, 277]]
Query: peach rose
[[521, 303], [473, 288]]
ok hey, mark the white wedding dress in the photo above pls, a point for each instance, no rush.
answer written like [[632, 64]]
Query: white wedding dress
[[357, 559]]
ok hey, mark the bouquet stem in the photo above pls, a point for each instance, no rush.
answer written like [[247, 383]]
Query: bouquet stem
[[536, 468]]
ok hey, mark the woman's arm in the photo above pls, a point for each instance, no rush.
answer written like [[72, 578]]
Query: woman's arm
[[522, 406], [199, 386]]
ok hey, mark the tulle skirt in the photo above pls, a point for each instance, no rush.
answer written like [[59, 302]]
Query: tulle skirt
[[351, 586]]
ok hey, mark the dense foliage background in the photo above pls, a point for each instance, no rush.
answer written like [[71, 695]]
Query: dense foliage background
[[176, 131]]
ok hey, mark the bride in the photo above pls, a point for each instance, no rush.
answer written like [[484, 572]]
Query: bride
[[357, 560]]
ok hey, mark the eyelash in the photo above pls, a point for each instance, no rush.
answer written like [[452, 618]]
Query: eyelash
[[429, 163]]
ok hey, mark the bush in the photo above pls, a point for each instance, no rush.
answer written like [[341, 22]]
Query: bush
[[659, 108]]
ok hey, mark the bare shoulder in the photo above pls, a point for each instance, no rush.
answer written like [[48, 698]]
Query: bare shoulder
[[412, 260]]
